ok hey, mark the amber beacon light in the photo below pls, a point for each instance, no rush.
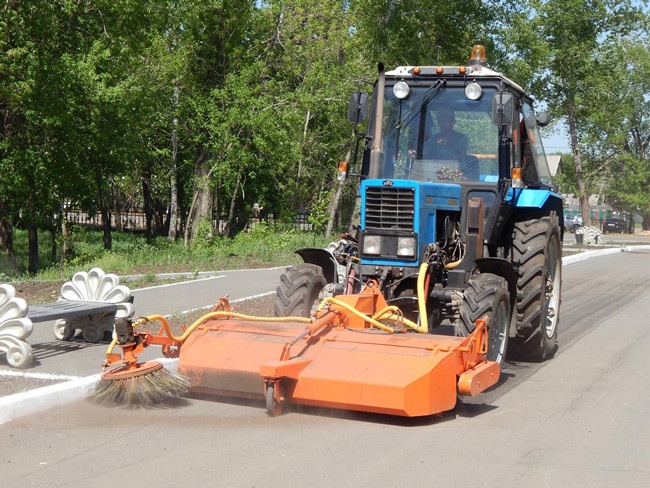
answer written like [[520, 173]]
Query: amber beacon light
[[478, 56]]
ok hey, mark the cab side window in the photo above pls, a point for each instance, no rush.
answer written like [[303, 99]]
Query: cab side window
[[535, 171]]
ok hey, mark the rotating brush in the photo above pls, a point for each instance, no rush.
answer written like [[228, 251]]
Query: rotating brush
[[136, 384], [145, 385]]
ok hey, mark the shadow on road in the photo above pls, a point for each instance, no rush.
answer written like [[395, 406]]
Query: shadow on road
[[461, 410], [47, 350]]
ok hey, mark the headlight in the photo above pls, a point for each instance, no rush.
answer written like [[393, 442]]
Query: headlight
[[372, 245], [473, 91], [401, 90], [406, 246]]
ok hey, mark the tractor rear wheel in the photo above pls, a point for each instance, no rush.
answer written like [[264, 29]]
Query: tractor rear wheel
[[537, 252], [487, 294], [298, 292]]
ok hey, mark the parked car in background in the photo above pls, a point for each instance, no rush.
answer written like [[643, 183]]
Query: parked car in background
[[615, 224], [573, 222]]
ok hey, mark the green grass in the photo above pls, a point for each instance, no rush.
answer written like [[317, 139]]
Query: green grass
[[265, 245]]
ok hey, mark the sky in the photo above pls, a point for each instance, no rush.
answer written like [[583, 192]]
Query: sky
[[556, 139]]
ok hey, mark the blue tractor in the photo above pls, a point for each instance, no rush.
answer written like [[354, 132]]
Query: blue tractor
[[459, 215]]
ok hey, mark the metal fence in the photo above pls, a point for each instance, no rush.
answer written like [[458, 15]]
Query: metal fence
[[137, 221]]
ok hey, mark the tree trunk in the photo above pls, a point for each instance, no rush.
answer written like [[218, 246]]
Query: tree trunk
[[173, 199], [106, 226], [233, 201], [202, 197], [64, 241], [32, 238], [146, 196], [302, 148], [104, 211], [336, 199], [53, 237], [159, 210], [7, 240], [217, 206], [585, 209], [117, 207]]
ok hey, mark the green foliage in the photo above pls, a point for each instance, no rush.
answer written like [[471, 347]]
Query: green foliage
[[104, 104], [318, 215], [618, 136], [264, 245]]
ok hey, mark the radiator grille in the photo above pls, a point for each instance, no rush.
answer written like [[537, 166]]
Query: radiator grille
[[390, 208]]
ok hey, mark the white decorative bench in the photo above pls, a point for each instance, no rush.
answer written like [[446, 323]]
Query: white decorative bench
[[90, 303], [15, 327], [589, 236]]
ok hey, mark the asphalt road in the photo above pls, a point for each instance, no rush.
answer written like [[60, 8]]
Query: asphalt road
[[581, 419]]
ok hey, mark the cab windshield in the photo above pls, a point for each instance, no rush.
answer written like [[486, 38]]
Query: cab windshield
[[437, 134]]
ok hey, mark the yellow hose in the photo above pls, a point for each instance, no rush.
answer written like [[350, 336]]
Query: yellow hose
[[111, 346], [454, 264], [422, 300], [392, 313], [398, 318], [390, 308], [221, 314], [349, 308]]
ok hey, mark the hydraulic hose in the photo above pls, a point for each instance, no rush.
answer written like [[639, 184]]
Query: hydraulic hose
[[218, 315], [422, 299], [354, 311], [211, 315], [454, 264], [387, 314], [391, 313]]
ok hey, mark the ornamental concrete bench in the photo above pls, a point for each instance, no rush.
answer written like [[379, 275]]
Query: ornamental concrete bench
[[89, 303]]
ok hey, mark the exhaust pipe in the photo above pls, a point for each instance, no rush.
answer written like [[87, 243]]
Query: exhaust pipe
[[376, 154]]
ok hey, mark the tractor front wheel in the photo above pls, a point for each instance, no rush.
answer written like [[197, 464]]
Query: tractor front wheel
[[298, 292], [487, 295]]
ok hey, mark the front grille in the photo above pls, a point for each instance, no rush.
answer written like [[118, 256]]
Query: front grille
[[390, 208]]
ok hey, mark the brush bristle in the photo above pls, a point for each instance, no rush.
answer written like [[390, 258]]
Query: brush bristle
[[156, 387]]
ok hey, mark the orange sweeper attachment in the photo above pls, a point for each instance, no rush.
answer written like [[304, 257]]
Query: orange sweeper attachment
[[354, 353]]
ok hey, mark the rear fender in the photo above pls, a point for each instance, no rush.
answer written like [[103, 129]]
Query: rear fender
[[539, 201], [323, 259]]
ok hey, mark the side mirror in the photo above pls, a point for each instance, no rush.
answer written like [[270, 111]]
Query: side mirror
[[358, 108], [503, 108], [543, 119]]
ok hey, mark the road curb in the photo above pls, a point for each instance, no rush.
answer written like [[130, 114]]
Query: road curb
[[193, 276], [39, 399], [583, 256]]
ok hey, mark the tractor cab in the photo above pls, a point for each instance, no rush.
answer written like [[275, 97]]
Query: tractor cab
[[459, 124], [445, 135]]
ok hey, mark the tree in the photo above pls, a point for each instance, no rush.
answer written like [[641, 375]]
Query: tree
[[618, 135], [559, 44], [425, 32]]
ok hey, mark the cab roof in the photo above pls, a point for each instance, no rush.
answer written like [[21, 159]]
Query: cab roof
[[469, 73]]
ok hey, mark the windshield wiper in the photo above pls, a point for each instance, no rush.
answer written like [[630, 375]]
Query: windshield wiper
[[428, 96]]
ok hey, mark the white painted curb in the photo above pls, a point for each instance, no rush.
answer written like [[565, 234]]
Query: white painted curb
[[583, 256], [37, 400], [32, 401]]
